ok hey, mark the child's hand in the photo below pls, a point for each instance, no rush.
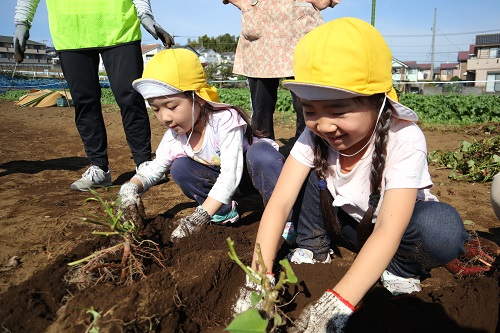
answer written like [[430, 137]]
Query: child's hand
[[131, 205], [328, 315], [244, 300], [191, 223]]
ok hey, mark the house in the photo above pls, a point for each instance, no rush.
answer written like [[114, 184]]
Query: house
[[484, 63], [448, 71], [462, 58], [209, 56], [35, 53], [424, 72], [399, 69], [410, 71], [148, 51], [227, 57]]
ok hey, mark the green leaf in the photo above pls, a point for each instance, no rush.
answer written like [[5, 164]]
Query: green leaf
[[466, 145], [291, 277], [249, 321], [256, 298]]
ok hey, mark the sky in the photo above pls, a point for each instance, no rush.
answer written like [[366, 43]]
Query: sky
[[407, 26]]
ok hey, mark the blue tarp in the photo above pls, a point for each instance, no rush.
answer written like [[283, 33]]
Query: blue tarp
[[9, 83]]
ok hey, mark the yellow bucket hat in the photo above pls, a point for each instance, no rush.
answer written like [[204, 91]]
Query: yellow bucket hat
[[174, 71], [345, 58]]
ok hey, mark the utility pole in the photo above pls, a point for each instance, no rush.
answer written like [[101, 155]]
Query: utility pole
[[433, 44], [374, 4]]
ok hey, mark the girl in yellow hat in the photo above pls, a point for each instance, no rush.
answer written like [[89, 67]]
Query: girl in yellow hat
[[357, 177], [209, 146]]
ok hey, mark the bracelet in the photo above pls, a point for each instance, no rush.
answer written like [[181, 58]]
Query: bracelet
[[342, 299]]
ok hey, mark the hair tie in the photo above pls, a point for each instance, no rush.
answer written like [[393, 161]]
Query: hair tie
[[374, 199], [322, 184]]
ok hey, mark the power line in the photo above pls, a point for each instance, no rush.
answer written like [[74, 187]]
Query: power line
[[451, 34], [449, 52]]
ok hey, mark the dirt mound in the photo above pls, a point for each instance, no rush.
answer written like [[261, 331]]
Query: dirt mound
[[195, 292], [40, 217]]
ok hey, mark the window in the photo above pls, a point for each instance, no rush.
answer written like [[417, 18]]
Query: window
[[493, 83], [495, 52]]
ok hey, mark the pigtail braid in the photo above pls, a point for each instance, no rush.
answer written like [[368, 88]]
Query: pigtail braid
[[321, 168], [379, 155]]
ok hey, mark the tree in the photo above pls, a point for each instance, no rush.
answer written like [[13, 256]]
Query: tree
[[222, 43]]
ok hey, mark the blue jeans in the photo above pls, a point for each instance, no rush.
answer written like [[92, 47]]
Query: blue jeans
[[435, 234], [262, 168]]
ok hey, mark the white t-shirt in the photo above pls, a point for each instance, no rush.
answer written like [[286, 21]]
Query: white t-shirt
[[406, 167], [223, 146]]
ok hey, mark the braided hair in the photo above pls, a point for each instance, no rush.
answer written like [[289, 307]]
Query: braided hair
[[365, 227]]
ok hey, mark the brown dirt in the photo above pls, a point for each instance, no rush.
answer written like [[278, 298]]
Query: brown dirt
[[41, 154]]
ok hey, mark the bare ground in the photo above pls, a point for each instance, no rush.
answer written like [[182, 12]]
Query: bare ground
[[41, 155]]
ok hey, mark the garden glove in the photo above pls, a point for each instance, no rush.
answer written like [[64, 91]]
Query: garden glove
[[191, 223], [480, 255], [131, 205], [244, 300], [20, 37], [157, 31], [328, 314]]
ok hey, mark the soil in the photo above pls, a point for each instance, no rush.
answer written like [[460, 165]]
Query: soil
[[41, 224]]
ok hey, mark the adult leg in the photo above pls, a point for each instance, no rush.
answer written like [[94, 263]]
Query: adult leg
[[123, 65], [196, 180], [263, 95], [435, 236], [264, 165], [80, 69], [300, 123], [312, 233]]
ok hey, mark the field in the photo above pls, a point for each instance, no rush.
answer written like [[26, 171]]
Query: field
[[41, 155]]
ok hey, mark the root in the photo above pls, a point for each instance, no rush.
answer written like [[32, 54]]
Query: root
[[100, 266]]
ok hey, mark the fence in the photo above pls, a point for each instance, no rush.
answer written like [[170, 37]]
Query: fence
[[450, 87]]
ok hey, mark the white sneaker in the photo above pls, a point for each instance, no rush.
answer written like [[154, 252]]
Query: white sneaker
[[305, 256], [398, 285], [93, 177]]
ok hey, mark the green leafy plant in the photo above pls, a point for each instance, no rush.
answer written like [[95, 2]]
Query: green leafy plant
[[108, 264], [265, 314], [476, 161]]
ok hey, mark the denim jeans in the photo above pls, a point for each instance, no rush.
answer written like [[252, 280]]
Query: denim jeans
[[262, 168], [435, 234]]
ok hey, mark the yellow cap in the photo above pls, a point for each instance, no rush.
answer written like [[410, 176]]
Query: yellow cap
[[174, 71], [344, 58]]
